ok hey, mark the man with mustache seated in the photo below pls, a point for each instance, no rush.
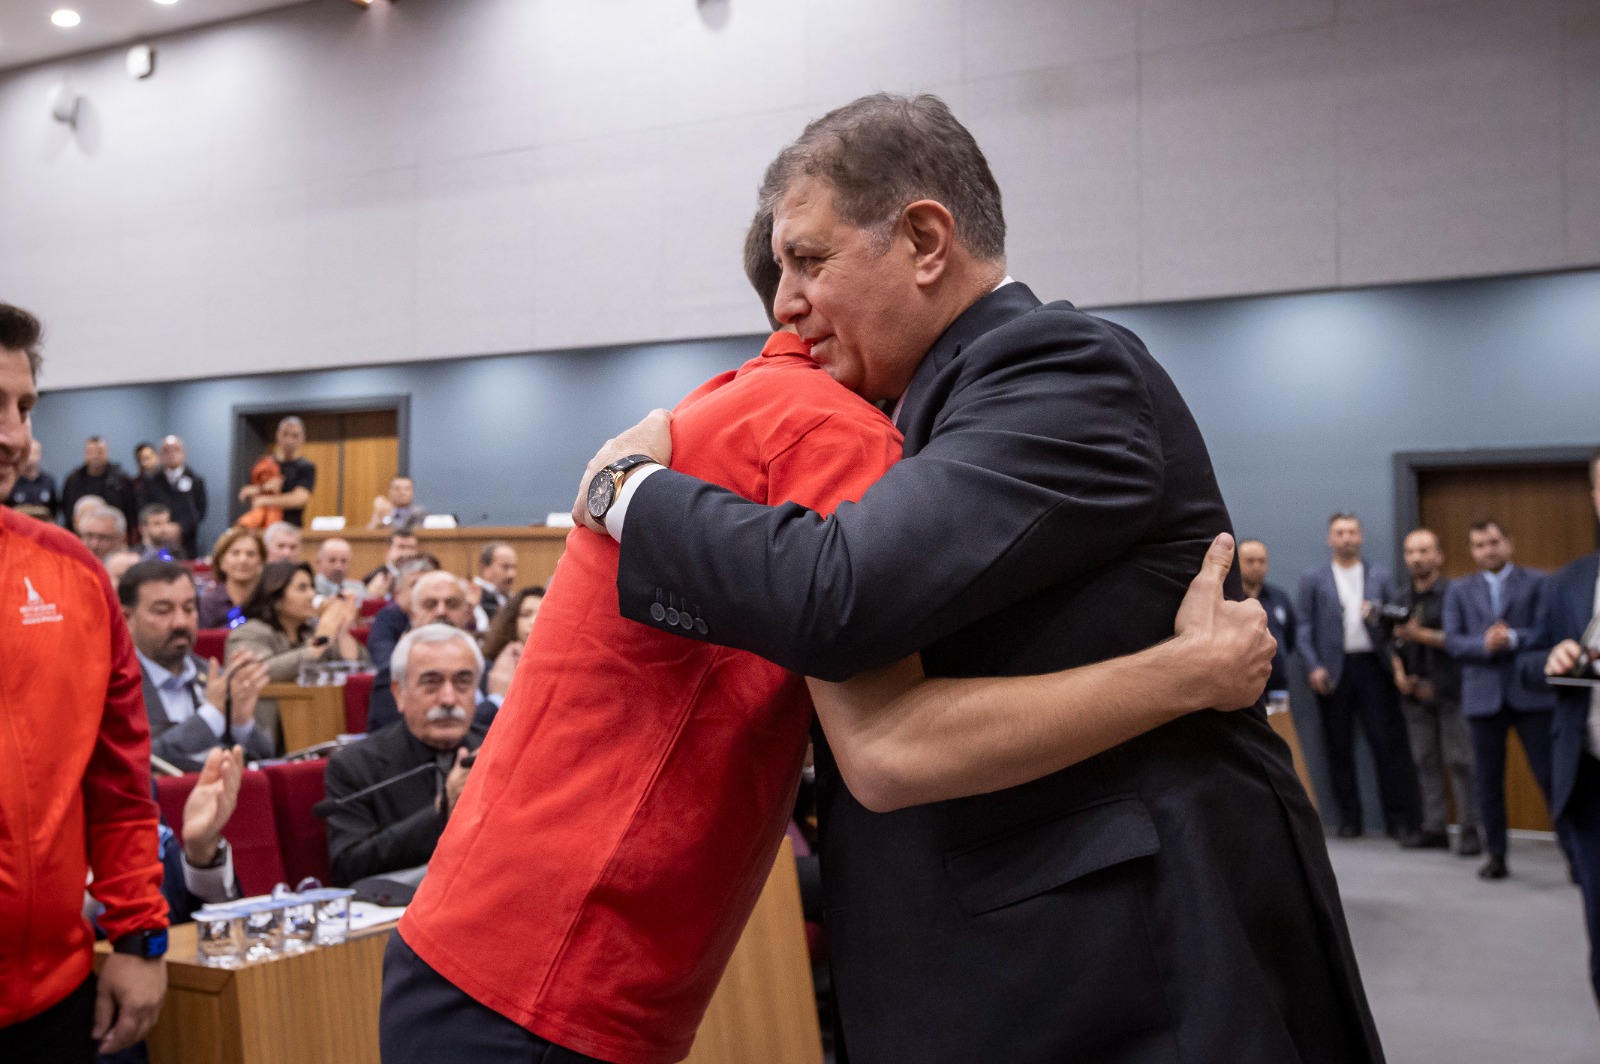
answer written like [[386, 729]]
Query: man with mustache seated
[[435, 671]]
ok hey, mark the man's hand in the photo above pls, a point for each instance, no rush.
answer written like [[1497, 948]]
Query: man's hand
[[1406, 683], [128, 1000], [244, 678], [1229, 642], [652, 436], [505, 667], [210, 804], [1320, 682], [381, 584], [1409, 631], [1564, 657], [248, 492], [454, 782], [1497, 638]]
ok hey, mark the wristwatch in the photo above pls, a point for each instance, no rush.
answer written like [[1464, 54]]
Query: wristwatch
[[606, 484], [146, 944]]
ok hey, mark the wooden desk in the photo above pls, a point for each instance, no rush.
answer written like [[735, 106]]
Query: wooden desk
[[538, 549], [321, 1007], [1283, 724], [307, 715]]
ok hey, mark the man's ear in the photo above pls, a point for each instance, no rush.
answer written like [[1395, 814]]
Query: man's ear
[[931, 229]]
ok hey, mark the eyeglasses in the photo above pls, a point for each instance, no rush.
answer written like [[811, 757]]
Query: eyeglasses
[[430, 682]]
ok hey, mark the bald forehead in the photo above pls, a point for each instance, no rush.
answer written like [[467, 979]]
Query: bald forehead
[[1422, 537]]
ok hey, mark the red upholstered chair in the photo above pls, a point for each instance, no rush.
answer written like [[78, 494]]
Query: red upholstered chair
[[371, 606], [359, 633], [200, 567], [209, 643], [252, 831], [357, 693], [302, 835]]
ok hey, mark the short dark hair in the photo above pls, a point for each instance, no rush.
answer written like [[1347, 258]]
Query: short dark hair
[[275, 578], [94, 439], [883, 152], [486, 555], [1484, 524], [21, 331], [150, 509], [154, 571], [141, 445], [759, 265], [1343, 515], [406, 530]]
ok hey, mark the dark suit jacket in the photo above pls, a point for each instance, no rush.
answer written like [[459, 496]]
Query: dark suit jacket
[[390, 829], [188, 507], [1565, 609], [186, 745], [1489, 682], [1321, 616], [1281, 621], [1054, 503]]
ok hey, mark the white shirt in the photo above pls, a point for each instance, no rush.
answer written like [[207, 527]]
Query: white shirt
[[183, 695], [1352, 585], [619, 509]]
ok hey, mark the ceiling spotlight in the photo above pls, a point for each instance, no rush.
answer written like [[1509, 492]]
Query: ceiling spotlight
[[166, 3], [66, 18]]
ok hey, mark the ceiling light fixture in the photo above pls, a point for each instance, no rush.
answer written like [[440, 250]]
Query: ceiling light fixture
[[166, 3], [66, 18]]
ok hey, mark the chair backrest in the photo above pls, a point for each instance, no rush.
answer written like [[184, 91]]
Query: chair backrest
[[360, 632], [302, 835], [371, 606], [210, 643], [252, 831], [357, 693]]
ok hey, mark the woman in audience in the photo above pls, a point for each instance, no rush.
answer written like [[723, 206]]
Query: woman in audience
[[283, 628], [236, 563], [502, 646]]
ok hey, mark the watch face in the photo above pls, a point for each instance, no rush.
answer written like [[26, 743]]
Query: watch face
[[602, 490]]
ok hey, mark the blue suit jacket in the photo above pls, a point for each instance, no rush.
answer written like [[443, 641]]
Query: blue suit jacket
[[1491, 681], [1321, 640], [1565, 610]]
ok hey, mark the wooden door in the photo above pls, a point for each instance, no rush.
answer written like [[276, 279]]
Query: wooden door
[[1549, 514], [356, 454]]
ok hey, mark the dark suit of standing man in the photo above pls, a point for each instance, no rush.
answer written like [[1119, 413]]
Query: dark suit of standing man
[[1488, 617], [1348, 664], [181, 490], [1169, 899], [1568, 613]]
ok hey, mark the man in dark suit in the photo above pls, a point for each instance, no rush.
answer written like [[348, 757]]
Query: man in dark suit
[[181, 490], [436, 670], [187, 698], [1569, 626], [1055, 498], [1488, 617], [1253, 565], [1348, 663]]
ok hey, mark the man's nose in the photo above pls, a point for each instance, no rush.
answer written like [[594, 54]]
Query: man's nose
[[790, 304]]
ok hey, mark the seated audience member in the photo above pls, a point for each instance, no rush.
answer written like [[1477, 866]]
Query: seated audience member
[[103, 530], [497, 571], [181, 489], [402, 548], [34, 493], [81, 509], [398, 508], [283, 542], [502, 647], [436, 669], [120, 561], [333, 570], [394, 620], [436, 597], [200, 871], [283, 629], [193, 705], [297, 476], [159, 535], [100, 476], [236, 564]]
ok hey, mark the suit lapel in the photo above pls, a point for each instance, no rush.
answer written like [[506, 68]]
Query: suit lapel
[[925, 396], [155, 709]]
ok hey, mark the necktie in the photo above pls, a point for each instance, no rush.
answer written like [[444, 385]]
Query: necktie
[[1494, 592]]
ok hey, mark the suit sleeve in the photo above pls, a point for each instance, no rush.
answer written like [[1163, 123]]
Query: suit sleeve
[[1459, 639], [359, 846], [1306, 608], [185, 744], [1538, 591], [200, 502], [121, 819], [1055, 444]]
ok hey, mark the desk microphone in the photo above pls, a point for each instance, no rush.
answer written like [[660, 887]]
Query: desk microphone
[[328, 805]]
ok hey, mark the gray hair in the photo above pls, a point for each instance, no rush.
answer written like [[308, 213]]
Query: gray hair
[[486, 555], [883, 152], [277, 529], [116, 515], [291, 420], [430, 634]]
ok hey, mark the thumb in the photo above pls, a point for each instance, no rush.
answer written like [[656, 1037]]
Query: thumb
[[211, 669], [1218, 560]]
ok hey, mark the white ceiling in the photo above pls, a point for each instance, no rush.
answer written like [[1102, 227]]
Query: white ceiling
[[28, 36]]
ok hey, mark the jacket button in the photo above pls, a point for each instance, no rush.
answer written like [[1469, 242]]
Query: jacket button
[[658, 611], [700, 626], [672, 616], [685, 621]]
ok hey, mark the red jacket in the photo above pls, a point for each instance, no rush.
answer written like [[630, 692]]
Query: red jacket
[[74, 768]]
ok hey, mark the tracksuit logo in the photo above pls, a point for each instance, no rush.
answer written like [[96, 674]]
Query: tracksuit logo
[[37, 610]]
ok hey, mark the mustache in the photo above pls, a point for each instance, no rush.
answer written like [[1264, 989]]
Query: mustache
[[439, 713], [180, 633]]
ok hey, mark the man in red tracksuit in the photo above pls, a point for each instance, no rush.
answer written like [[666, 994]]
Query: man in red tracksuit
[[74, 777]]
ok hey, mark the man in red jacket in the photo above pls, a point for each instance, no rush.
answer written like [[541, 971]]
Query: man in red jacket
[[74, 777]]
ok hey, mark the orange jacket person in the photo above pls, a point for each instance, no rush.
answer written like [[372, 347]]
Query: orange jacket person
[[74, 777]]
